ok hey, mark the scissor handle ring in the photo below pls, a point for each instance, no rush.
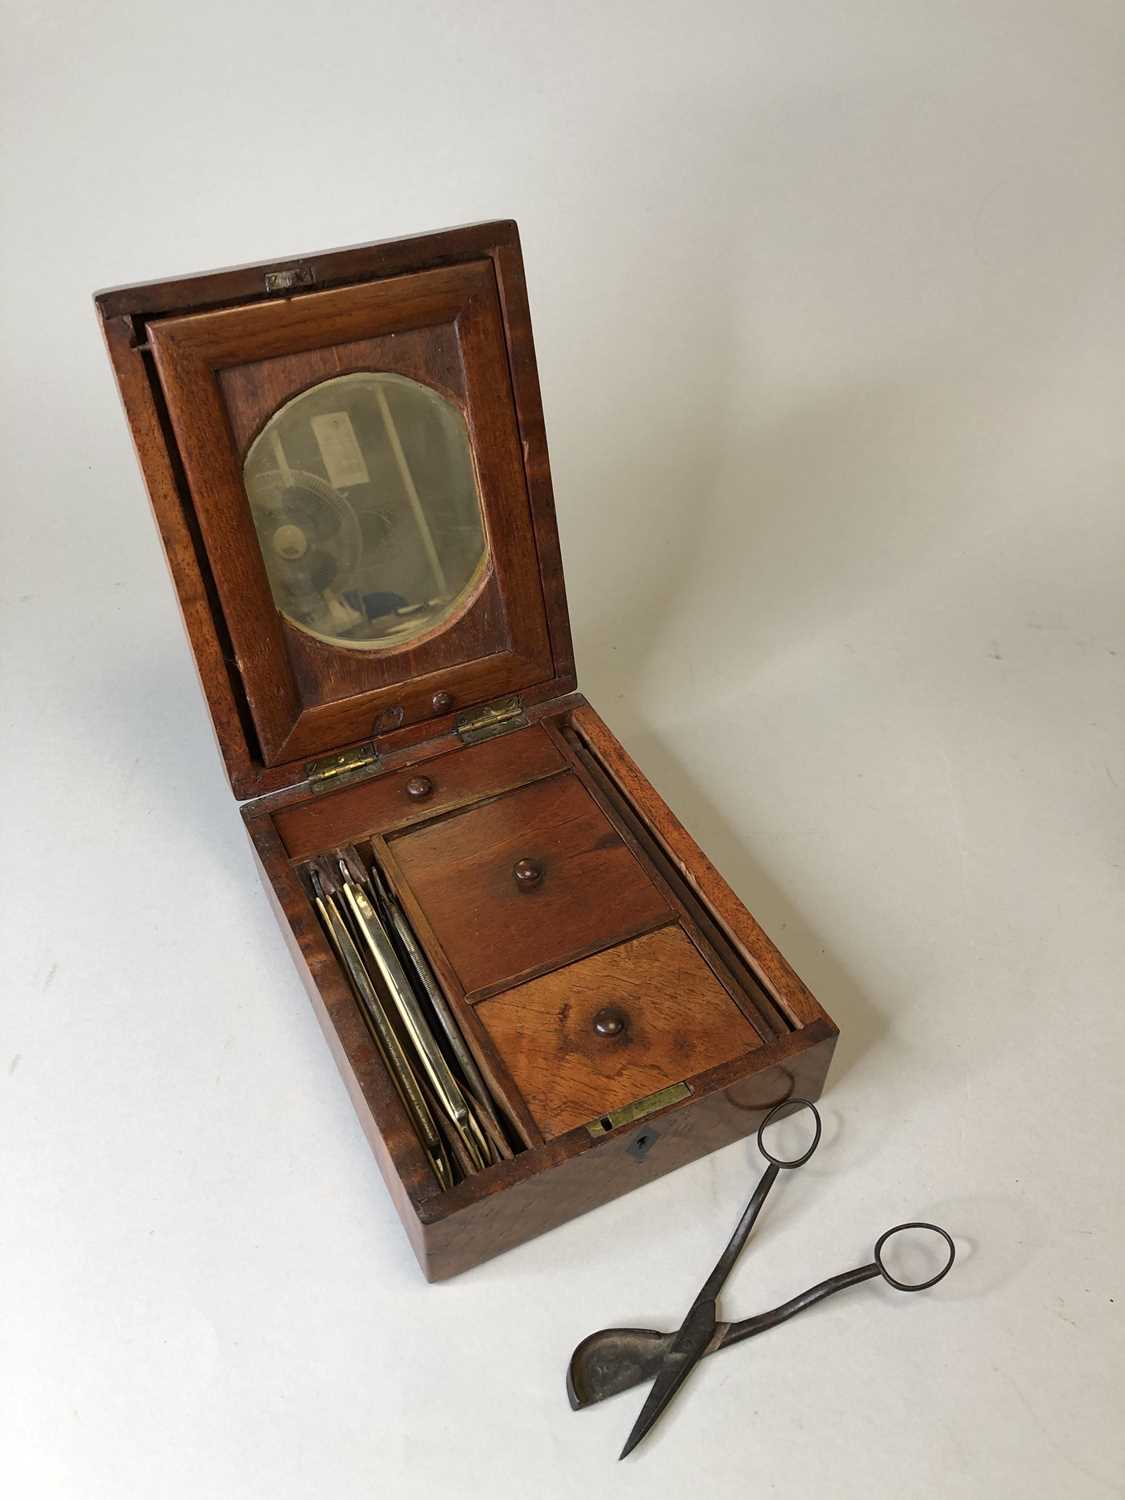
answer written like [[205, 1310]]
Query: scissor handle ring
[[791, 1106], [914, 1286]]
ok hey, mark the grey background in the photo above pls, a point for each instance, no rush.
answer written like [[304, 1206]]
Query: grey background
[[829, 311]]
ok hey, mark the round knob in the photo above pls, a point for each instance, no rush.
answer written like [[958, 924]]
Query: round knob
[[610, 1021], [418, 788], [442, 702], [528, 873]]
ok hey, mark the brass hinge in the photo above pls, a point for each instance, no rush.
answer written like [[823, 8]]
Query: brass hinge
[[628, 1114], [495, 718], [346, 765]]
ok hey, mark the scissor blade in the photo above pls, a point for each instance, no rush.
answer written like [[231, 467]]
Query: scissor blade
[[686, 1352], [614, 1359]]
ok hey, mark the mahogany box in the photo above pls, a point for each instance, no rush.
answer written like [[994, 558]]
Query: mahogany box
[[346, 458]]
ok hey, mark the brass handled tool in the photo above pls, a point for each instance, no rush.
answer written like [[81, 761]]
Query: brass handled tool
[[391, 1049], [409, 944], [378, 943]]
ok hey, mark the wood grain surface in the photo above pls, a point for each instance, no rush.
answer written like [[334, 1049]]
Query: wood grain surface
[[754, 947], [593, 891], [551, 1180], [463, 775], [676, 1020]]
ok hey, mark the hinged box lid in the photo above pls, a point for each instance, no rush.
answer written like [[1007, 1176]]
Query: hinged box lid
[[348, 465]]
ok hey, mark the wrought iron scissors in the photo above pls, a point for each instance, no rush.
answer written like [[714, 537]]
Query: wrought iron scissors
[[616, 1358]]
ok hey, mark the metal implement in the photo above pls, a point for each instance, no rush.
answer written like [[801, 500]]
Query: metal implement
[[409, 945], [449, 1103], [398, 1065], [378, 943], [616, 1359], [695, 1333]]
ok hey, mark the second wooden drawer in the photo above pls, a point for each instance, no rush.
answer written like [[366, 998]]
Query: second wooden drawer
[[529, 881]]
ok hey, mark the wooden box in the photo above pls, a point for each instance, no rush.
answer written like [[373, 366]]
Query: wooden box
[[387, 661]]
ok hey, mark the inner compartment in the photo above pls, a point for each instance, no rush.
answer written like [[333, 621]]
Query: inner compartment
[[459, 1116], [581, 970]]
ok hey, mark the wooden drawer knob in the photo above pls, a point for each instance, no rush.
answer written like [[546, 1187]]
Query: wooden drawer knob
[[418, 788], [442, 702], [528, 873], [610, 1021]]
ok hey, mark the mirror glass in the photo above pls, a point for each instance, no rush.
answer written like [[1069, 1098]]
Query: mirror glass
[[365, 502]]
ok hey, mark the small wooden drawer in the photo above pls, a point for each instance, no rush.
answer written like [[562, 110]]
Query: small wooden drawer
[[400, 798], [616, 1027], [525, 883]]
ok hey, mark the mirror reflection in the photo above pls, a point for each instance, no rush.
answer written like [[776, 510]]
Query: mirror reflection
[[365, 503]]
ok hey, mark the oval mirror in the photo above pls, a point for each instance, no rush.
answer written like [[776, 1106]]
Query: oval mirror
[[365, 503]]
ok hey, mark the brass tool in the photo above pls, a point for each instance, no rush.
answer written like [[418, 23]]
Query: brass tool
[[378, 943], [388, 903], [391, 1049]]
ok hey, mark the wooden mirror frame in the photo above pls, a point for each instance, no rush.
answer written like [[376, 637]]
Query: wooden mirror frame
[[255, 680], [307, 697]]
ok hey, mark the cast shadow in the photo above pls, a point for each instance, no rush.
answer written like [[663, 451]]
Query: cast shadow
[[997, 1237], [182, 769]]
